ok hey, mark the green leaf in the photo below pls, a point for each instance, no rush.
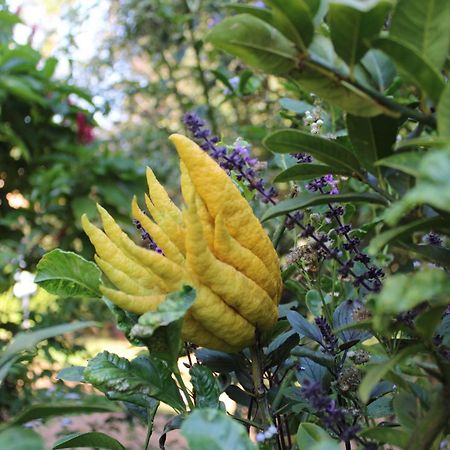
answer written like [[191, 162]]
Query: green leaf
[[372, 138], [74, 373], [381, 407], [67, 274], [325, 150], [423, 141], [378, 371], [387, 435], [314, 302], [18, 86], [402, 292], [326, 445], [18, 438], [413, 65], [25, 341], [309, 434], [307, 200], [433, 253], [161, 329], [381, 69], [424, 26], [294, 19], [353, 24], [407, 162], [336, 89], [308, 171], [90, 439], [432, 187], [206, 387], [255, 42], [260, 13], [428, 223], [143, 378], [443, 113], [297, 106], [211, 429], [43, 411]]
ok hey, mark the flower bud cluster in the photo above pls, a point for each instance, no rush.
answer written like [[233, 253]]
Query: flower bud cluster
[[267, 434], [313, 120]]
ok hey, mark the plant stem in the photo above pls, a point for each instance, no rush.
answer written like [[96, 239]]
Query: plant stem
[[183, 387], [258, 383], [151, 417]]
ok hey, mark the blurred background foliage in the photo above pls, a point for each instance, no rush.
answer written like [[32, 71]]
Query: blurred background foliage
[[89, 92]]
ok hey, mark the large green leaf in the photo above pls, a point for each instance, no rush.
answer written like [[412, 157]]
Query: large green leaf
[[18, 438], [211, 429], [256, 42], [353, 24], [407, 162], [308, 171], [24, 341], [428, 223], [387, 435], [43, 411], [67, 274], [381, 69], [90, 439], [261, 13], [334, 88], [294, 19], [372, 138], [443, 113], [206, 387], [413, 65], [432, 187], [423, 24], [325, 150], [306, 200], [433, 253], [161, 329], [403, 292], [310, 434], [142, 379], [19, 86], [377, 371]]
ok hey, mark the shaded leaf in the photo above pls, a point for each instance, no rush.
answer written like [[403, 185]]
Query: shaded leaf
[[372, 138], [402, 292], [353, 24], [74, 373], [43, 411], [424, 26], [297, 106], [413, 65], [307, 200], [325, 150], [18, 438], [67, 274], [219, 361], [381, 69], [342, 316], [309, 434], [144, 377], [403, 231], [211, 429], [407, 162], [256, 42], [89, 439], [443, 113], [387, 435], [301, 326], [308, 171], [206, 387], [378, 371]]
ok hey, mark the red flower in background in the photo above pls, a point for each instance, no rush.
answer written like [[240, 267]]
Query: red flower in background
[[85, 131]]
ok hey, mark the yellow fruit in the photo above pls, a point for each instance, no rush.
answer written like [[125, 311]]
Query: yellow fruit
[[216, 245]]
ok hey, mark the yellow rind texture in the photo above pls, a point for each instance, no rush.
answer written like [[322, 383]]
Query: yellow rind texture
[[216, 245], [234, 288], [220, 194]]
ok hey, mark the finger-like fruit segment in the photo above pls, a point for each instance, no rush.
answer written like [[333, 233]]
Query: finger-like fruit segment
[[107, 250], [229, 251], [161, 239], [121, 280], [138, 304], [239, 292]]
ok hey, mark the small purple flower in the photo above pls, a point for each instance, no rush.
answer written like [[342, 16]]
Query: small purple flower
[[145, 236], [302, 158], [433, 239], [330, 341]]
